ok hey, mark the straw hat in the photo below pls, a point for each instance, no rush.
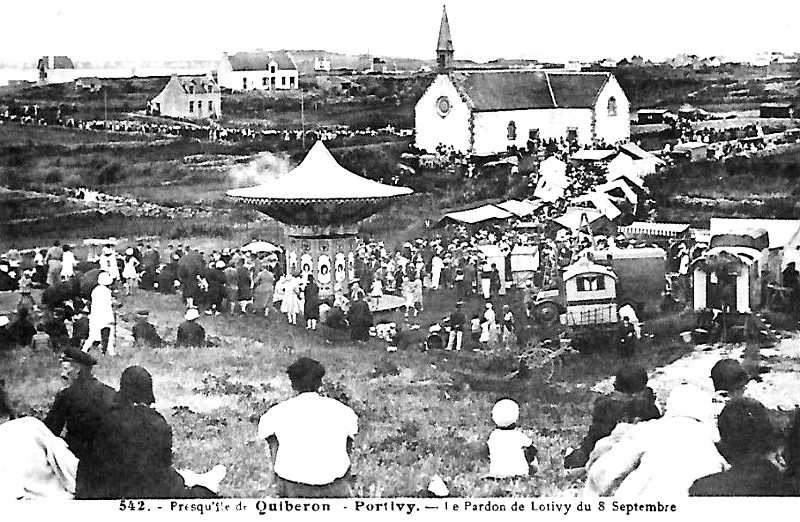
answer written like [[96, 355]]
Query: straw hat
[[105, 279], [191, 314]]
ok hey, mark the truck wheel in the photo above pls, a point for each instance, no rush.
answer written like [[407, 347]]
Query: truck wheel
[[547, 313]]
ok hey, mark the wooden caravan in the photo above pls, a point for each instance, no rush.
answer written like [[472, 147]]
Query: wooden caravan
[[590, 292]]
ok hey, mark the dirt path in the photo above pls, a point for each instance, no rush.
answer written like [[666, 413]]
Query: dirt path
[[779, 388]]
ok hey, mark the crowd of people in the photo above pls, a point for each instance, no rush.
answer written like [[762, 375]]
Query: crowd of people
[[100, 443]]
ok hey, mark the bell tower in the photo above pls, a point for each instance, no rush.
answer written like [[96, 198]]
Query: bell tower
[[444, 49]]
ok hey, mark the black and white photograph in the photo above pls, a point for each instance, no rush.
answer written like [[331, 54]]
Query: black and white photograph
[[399, 259]]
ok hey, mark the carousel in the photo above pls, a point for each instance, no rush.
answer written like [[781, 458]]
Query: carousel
[[320, 204]]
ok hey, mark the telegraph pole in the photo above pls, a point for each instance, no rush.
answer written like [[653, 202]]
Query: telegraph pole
[[302, 119]]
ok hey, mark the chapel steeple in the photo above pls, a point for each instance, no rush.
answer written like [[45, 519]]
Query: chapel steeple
[[444, 49]]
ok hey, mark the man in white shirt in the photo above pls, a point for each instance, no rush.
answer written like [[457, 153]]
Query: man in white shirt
[[310, 437]]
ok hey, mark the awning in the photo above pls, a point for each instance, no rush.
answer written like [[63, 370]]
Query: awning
[[601, 202], [520, 208], [594, 154], [645, 228], [478, 215]]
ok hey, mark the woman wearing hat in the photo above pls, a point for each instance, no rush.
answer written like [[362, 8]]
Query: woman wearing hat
[[190, 332], [102, 320], [135, 444]]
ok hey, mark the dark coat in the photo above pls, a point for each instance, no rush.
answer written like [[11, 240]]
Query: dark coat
[[80, 408], [135, 444], [145, 334], [311, 301], [607, 413], [245, 283], [190, 333], [360, 319], [755, 476], [167, 277], [80, 331]]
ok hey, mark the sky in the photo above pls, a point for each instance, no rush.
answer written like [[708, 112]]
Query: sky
[[89, 30]]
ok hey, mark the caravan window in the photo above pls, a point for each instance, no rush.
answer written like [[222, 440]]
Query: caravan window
[[590, 283]]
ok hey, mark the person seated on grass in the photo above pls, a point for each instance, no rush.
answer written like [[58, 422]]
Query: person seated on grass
[[747, 438], [190, 332], [661, 457], [511, 452], [631, 401], [21, 328], [34, 463], [310, 437], [144, 333], [41, 340], [135, 445]]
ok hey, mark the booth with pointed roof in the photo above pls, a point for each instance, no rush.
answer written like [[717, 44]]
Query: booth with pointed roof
[[320, 203]]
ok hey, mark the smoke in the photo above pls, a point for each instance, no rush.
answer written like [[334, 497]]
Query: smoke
[[265, 167]]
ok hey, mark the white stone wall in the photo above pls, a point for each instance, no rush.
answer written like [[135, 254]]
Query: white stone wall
[[491, 128], [612, 129], [431, 128]]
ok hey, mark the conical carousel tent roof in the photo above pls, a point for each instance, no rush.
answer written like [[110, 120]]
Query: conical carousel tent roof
[[319, 177]]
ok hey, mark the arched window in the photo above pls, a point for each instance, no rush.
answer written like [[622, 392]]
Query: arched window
[[512, 131], [612, 106]]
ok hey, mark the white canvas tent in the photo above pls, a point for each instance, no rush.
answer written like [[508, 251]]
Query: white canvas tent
[[524, 263], [552, 180], [478, 215], [644, 162], [594, 155], [519, 208], [600, 202], [619, 186], [495, 255]]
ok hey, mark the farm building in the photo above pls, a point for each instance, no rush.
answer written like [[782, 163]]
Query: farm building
[[776, 110], [484, 112], [90, 84], [259, 70], [650, 116], [191, 97]]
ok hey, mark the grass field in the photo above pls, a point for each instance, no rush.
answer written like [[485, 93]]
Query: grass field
[[420, 413]]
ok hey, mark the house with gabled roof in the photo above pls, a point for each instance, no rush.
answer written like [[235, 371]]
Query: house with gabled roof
[[190, 97], [56, 69], [258, 70], [485, 112]]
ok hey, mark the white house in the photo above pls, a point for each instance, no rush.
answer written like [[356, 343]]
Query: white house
[[56, 69], [191, 97], [259, 70], [322, 64]]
